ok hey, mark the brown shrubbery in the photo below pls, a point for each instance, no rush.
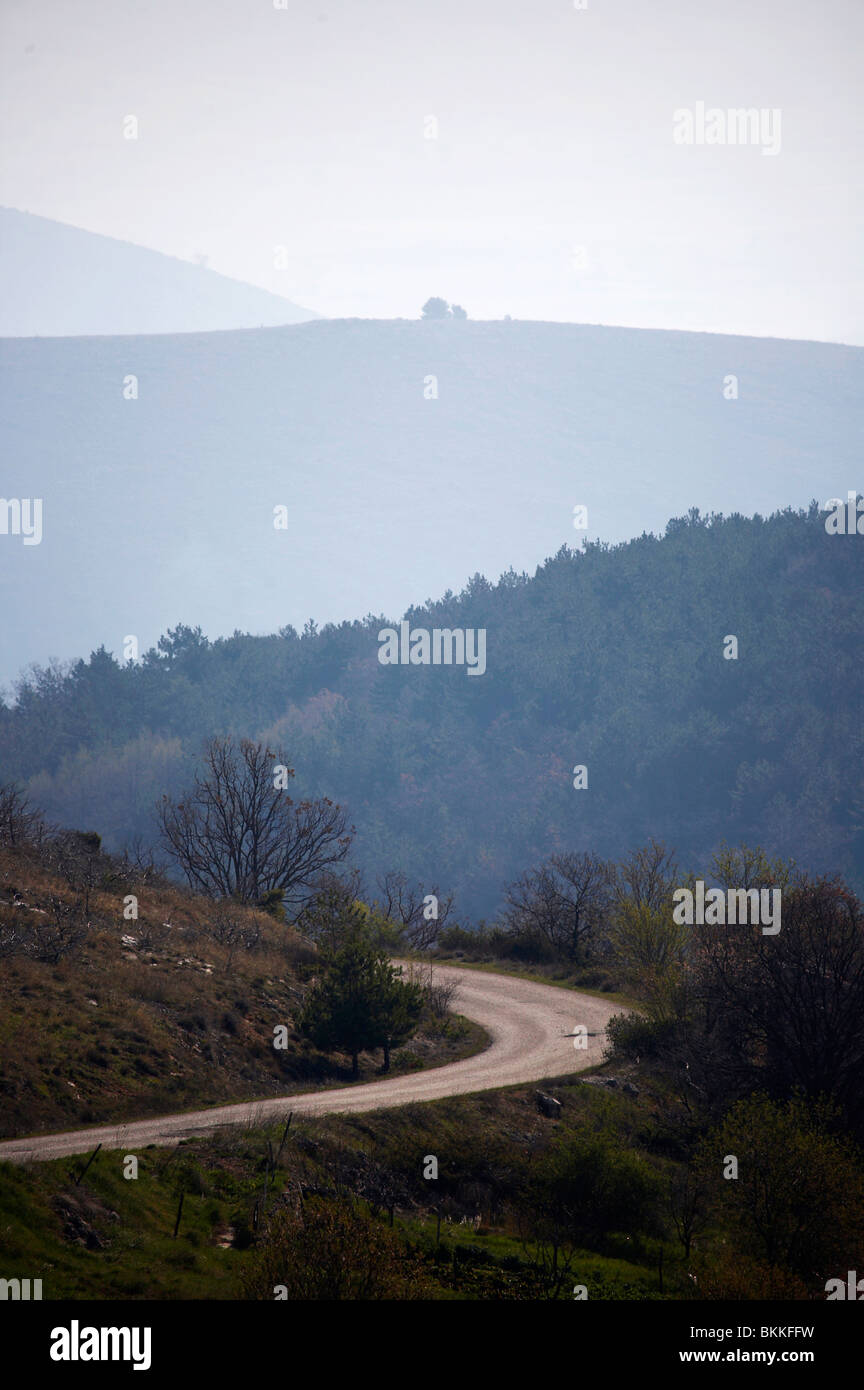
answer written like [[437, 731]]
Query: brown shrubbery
[[330, 1249]]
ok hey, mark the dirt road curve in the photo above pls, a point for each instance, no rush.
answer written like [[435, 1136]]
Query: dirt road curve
[[528, 1024]]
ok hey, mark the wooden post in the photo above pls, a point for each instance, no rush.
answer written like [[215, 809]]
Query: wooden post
[[179, 1210], [87, 1164], [660, 1268], [284, 1135]]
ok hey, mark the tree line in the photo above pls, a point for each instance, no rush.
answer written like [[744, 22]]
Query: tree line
[[610, 657]]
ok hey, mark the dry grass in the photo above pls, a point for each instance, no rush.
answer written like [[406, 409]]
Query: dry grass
[[180, 1016]]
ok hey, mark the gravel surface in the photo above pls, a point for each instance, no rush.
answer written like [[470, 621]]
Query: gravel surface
[[528, 1024]]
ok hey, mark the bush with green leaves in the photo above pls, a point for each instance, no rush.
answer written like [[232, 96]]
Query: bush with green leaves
[[797, 1203]]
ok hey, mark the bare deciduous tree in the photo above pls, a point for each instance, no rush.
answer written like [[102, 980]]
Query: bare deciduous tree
[[20, 823], [138, 863], [405, 903], [238, 834], [54, 934], [688, 1204], [234, 928], [439, 993], [563, 901], [78, 857], [152, 934], [647, 877]]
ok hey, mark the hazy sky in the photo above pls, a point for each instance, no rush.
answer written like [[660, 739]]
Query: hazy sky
[[305, 128]]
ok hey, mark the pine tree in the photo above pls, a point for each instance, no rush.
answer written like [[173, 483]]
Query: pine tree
[[399, 1004], [359, 1003]]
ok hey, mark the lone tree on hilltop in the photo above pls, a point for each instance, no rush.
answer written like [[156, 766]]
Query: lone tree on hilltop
[[237, 833], [436, 308]]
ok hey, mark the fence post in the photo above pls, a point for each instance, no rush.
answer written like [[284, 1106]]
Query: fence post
[[179, 1210], [87, 1164]]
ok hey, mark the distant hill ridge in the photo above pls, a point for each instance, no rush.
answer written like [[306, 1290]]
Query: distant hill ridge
[[406, 455], [62, 281]]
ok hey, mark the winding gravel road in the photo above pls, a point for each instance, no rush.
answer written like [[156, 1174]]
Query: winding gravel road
[[528, 1024]]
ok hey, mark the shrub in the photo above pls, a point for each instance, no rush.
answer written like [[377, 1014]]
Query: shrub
[[631, 1037], [798, 1200], [328, 1249]]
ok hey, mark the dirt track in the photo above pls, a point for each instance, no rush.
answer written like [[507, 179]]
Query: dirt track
[[528, 1024]]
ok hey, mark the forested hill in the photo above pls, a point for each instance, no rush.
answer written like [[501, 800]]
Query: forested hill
[[612, 658]]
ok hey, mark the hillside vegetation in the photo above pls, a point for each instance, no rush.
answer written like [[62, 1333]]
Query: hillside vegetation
[[598, 1203], [611, 658], [105, 1019]]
